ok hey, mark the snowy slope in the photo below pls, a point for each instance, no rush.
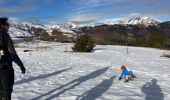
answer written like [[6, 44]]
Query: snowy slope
[[68, 27], [134, 21], [26, 28], [53, 74], [14, 32], [25, 24]]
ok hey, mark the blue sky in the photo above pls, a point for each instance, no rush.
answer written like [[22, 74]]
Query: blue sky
[[84, 10]]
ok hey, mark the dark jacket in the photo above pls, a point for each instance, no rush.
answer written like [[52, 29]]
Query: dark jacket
[[9, 50]]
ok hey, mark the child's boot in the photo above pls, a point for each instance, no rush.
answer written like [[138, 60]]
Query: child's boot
[[126, 78]]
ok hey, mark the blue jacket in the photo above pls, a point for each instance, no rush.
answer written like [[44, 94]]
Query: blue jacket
[[126, 72]]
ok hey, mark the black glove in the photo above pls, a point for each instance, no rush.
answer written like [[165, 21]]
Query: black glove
[[23, 69], [119, 78]]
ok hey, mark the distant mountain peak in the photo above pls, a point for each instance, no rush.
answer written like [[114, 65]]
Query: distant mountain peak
[[134, 21]]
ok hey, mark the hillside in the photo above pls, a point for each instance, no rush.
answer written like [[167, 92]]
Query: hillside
[[112, 32], [53, 74], [36, 28]]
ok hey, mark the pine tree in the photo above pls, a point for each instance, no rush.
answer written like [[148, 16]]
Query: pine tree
[[83, 43]]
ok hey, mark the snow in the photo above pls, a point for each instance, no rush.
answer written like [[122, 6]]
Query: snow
[[25, 24], [67, 27], [20, 28], [134, 21], [14, 32], [53, 74]]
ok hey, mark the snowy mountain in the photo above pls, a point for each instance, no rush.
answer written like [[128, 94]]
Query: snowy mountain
[[100, 31], [68, 27], [26, 28], [31, 28], [15, 32], [65, 27], [25, 25], [71, 26], [134, 21]]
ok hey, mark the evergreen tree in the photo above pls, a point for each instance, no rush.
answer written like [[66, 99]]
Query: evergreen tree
[[83, 43]]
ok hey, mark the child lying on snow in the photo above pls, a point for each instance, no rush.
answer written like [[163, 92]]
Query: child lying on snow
[[128, 75]]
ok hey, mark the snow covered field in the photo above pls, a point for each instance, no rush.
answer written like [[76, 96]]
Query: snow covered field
[[53, 74]]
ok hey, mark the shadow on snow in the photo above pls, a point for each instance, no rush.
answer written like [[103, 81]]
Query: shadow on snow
[[98, 90], [72, 84], [40, 77], [152, 91]]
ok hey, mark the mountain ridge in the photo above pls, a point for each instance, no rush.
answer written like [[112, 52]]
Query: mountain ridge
[[103, 33], [72, 27]]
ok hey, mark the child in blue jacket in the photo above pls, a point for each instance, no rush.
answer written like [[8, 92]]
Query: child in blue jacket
[[128, 75]]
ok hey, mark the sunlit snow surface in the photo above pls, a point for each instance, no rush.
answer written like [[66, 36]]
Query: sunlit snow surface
[[53, 74]]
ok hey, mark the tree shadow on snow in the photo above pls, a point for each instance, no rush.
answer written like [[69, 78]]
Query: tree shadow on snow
[[72, 84], [98, 90], [40, 77], [152, 91]]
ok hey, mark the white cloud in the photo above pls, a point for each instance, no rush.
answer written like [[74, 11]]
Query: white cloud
[[21, 6], [90, 4], [2, 1], [84, 11], [92, 10], [119, 0], [14, 18], [133, 15], [102, 1], [12, 10], [89, 17]]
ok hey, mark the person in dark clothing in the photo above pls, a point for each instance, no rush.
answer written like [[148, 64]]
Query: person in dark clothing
[[7, 56]]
